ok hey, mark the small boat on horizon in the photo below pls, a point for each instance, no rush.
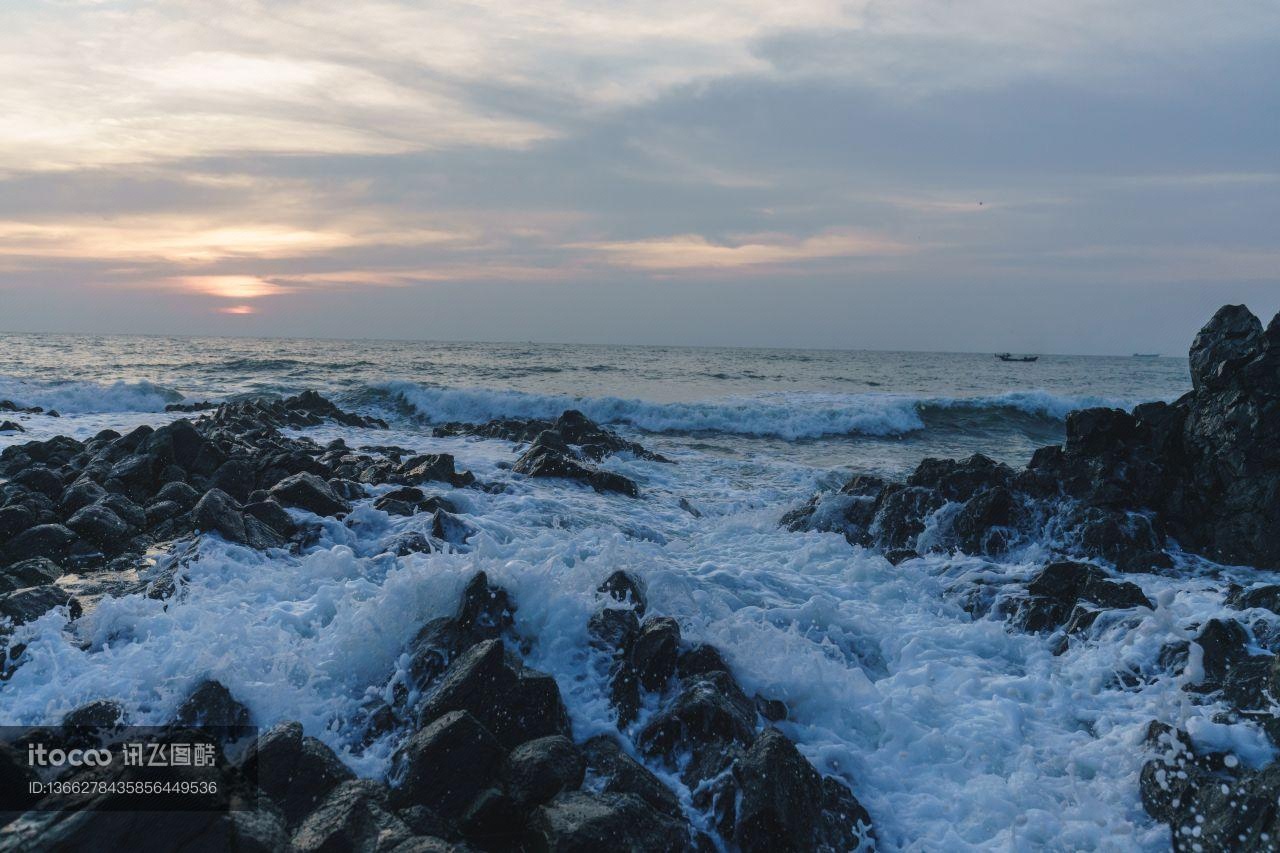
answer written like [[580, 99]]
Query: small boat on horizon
[[1004, 356]]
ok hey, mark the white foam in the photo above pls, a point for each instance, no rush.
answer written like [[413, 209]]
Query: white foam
[[69, 396], [955, 733]]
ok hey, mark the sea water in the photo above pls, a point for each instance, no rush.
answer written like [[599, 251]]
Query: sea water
[[956, 732]]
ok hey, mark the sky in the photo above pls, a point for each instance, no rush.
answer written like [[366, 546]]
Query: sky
[[1027, 175]]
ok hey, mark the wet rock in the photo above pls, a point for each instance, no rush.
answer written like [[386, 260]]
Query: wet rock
[[102, 714], [182, 494], [709, 715], [438, 467], [309, 492], [493, 820], [578, 822], [14, 519], [236, 477], [294, 770], [1266, 597], [960, 480], [99, 525], [448, 527], [542, 462], [1057, 590], [539, 769], [985, 524], [38, 571], [354, 817], [613, 771], [785, 805], [211, 704], [80, 494], [40, 479], [900, 515], [89, 828], [655, 650], [10, 426], [1229, 340], [613, 630], [447, 764], [622, 587], [271, 514], [53, 541], [219, 512], [701, 659], [515, 703]]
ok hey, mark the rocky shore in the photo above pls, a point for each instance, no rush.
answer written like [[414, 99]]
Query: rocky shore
[[488, 758]]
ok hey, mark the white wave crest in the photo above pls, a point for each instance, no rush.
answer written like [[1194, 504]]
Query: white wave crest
[[788, 416], [77, 397]]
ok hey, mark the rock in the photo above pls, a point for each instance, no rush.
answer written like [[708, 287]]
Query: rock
[[708, 717], [310, 493], [1227, 341], [80, 494], [37, 571], [984, 525], [449, 528], [616, 772], [539, 769], [1266, 597], [89, 828], [181, 494], [542, 462], [622, 587], [493, 820], [447, 764], [353, 817], [579, 822], [102, 714], [161, 511], [10, 426], [655, 650], [219, 512], [432, 467], [14, 519], [44, 540], [613, 630], [211, 704], [100, 525], [40, 479], [702, 659], [128, 511], [294, 770], [236, 477], [515, 704], [1057, 590], [785, 805], [273, 515], [900, 515]]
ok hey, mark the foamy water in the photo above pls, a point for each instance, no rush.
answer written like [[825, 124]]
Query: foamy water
[[955, 732]]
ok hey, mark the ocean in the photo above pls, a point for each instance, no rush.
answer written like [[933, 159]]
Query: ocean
[[956, 732]]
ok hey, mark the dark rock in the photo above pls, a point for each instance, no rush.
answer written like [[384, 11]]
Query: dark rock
[[1057, 590], [219, 512], [900, 515], [542, 462], [450, 528], [613, 630], [493, 820], [709, 715], [34, 572], [211, 704], [539, 769], [702, 659], [44, 540], [100, 525], [785, 805], [578, 822], [10, 426], [40, 479], [624, 588], [616, 772], [160, 511], [655, 651], [773, 710], [102, 714], [273, 515], [128, 511], [516, 704], [984, 525], [80, 494], [447, 764], [353, 817], [236, 477], [1266, 597], [294, 770], [310, 493], [1226, 342], [1224, 643], [14, 519], [181, 494]]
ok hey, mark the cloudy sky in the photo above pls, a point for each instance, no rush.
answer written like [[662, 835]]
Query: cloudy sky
[[907, 174]]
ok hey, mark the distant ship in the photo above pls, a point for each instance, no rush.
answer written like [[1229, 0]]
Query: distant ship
[[1004, 356], [1146, 355]]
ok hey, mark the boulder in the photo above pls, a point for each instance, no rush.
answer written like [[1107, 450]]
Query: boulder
[[622, 587], [616, 772], [353, 817], [581, 822], [655, 650], [98, 524], [53, 541], [211, 704], [14, 519], [296, 771], [37, 571], [539, 769], [219, 512], [309, 492], [446, 764]]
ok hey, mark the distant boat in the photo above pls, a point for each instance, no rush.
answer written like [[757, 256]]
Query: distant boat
[[1004, 356], [1146, 355]]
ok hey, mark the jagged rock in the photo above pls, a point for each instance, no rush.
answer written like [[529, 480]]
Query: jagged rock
[[248, 831], [579, 822], [182, 494], [622, 587], [217, 511], [708, 719], [449, 528], [447, 764], [1267, 597], [613, 630], [37, 571], [294, 770], [543, 462], [236, 477], [102, 714], [40, 479], [80, 494], [11, 426], [211, 704], [515, 704], [271, 514], [701, 659], [785, 805], [1057, 590], [539, 769], [310, 493], [493, 820], [615, 772], [14, 519], [354, 817], [984, 525], [655, 650]]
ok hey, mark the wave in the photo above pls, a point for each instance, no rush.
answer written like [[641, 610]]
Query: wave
[[78, 397], [786, 415]]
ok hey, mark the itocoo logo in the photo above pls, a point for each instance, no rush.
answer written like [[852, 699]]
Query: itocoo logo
[[38, 755]]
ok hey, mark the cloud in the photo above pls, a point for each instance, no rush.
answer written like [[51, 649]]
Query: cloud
[[695, 252]]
